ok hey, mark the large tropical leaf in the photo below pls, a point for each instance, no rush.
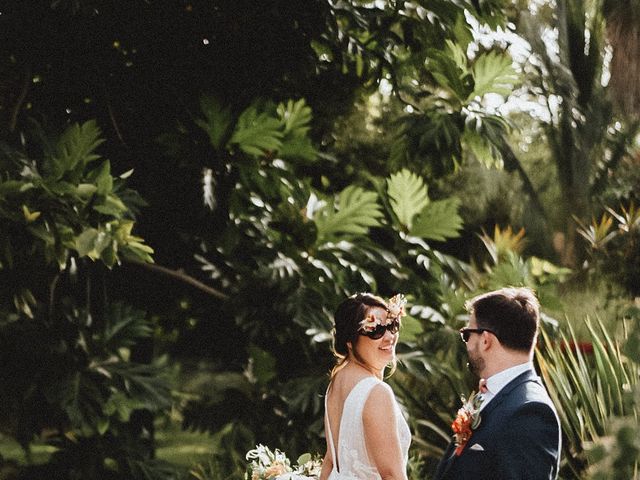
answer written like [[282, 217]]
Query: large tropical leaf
[[75, 148], [124, 327], [482, 149], [493, 73], [147, 385], [514, 270], [257, 133], [439, 220], [296, 121], [217, 120], [447, 73], [298, 148], [295, 116], [408, 194], [355, 212]]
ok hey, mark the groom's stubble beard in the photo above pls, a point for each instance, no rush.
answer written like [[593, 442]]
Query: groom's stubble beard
[[476, 363]]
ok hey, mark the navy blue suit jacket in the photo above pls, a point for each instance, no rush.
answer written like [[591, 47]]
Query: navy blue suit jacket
[[518, 437]]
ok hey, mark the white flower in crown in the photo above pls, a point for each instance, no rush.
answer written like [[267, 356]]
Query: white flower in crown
[[370, 322], [395, 310], [396, 306]]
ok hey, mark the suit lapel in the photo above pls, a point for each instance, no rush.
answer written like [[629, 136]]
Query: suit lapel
[[449, 457]]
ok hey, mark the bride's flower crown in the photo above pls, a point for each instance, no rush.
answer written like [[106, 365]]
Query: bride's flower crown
[[395, 311]]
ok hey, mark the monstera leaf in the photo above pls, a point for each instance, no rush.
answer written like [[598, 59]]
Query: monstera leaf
[[439, 220], [408, 194], [355, 212]]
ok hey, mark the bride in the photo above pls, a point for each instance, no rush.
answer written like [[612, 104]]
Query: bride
[[367, 436]]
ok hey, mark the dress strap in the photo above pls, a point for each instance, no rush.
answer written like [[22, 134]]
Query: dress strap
[[329, 434]]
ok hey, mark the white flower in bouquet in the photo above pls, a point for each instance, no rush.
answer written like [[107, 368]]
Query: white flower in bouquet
[[309, 465], [268, 465]]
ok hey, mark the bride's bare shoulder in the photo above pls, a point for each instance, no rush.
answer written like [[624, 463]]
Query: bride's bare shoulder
[[343, 382]]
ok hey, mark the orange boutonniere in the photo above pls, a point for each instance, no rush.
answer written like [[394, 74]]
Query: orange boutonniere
[[466, 421]]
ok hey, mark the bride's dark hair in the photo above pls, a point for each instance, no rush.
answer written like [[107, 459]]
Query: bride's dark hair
[[347, 320]]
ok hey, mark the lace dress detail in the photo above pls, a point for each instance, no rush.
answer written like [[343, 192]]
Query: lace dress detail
[[353, 459]]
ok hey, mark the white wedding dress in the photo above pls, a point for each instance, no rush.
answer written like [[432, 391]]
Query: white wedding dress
[[352, 458]]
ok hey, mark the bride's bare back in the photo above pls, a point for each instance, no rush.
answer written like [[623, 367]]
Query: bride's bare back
[[366, 434]]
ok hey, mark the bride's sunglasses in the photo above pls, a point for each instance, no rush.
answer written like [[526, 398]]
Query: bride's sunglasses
[[378, 332]]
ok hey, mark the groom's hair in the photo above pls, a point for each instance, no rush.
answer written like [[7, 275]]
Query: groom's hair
[[512, 314]]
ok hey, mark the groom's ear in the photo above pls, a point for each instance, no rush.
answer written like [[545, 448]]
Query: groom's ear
[[487, 340]]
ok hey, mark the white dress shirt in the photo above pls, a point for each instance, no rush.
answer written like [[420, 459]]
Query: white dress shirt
[[497, 382]]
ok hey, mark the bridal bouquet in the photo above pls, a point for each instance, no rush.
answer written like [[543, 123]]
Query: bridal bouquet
[[267, 465]]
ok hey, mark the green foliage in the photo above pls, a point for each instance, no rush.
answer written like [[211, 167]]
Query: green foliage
[[451, 112], [616, 454], [217, 120], [257, 132], [418, 215], [589, 381], [81, 387], [481, 149], [439, 220], [357, 210], [503, 242], [261, 129], [408, 194], [66, 205], [67, 363], [587, 140], [307, 247], [493, 73], [613, 251]]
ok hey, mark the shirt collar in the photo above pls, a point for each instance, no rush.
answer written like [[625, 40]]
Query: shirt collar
[[497, 382]]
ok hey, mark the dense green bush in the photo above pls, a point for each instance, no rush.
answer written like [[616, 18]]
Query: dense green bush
[[68, 372]]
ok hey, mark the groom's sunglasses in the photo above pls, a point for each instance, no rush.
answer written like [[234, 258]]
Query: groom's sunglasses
[[465, 333], [378, 332]]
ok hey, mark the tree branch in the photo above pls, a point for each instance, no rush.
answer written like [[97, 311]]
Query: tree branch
[[21, 97], [183, 277]]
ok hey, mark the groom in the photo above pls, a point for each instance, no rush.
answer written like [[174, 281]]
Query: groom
[[518, 436]]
